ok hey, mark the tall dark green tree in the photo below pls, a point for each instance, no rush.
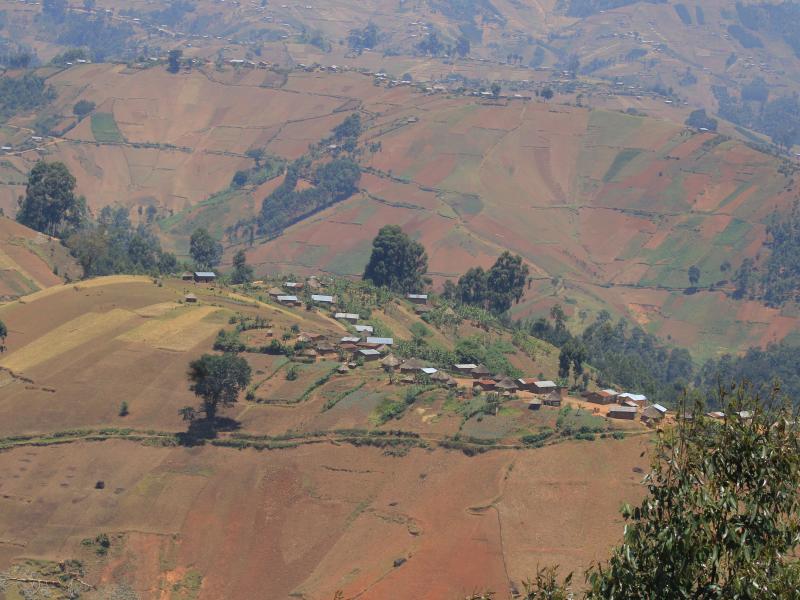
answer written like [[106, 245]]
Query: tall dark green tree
[[3, 336], [242, 272], [472, 288], [720, 518], [397, 261], [174, 61], [50, 204], [205, 250], [217, 379], [506, 282]]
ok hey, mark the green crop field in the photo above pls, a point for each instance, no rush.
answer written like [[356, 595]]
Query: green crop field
[[104, 128]]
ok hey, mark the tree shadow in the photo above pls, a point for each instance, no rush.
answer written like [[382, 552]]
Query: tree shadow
[[201, 430]]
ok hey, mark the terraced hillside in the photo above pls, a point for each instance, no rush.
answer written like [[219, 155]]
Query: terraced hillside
[[313, 485], [30, 261], [610, 209]]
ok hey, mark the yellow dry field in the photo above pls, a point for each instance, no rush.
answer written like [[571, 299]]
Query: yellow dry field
[[88, 284], [179, 333], [156, 310], [64, 338], [9, 264]]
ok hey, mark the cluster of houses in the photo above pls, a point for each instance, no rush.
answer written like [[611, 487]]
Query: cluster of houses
[[624, 405]]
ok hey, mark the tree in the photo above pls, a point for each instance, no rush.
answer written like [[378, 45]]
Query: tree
[[547, 93], [205, 250], [397, 261], [462, 46], [174, 59], [239, 179], [506, 281], [700, 120], [242, 272], [496, 90], [720, 519], [55, 9], [217, 379], [82, 108], [472, 286], [50, 205], [694, 275], [3, 336]]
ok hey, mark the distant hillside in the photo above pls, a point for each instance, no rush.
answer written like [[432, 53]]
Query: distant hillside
[[610, 209], [30, 261]]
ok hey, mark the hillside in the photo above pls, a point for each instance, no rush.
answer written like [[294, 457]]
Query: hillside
[[608, 206], [684, 52], [30, 261], [324, 493]]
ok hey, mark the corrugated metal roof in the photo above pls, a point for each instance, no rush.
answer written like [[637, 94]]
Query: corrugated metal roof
[[625, 409], [287, 298], [347, 316], [368, 352], [428, 370], [386, 341], [321, 298], [205, 274], [362, 328]]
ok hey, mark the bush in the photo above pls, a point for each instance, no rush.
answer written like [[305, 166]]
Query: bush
[[123, 409], [293, 373]]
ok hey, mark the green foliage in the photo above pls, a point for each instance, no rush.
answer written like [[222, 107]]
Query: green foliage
[[3, 336], [50, 205], [700, 120], [367, 37], [486, 351], [174, 61], [228, 341], [497, 288], [24, 93], [242, 272], [537, 439], [217, 380], [292, 373], [397, 262], [776, 279], [113, 245], [82, 108], [204, 249], [720, 518], [123, 409], [333, 182], [762, 367]]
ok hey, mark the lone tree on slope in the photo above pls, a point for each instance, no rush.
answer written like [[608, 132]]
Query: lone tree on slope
[[217, 380], [50, 204], [205, 250], [397, 261]]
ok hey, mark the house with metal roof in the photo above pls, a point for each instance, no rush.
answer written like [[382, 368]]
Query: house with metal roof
[[417, 298], [322, 299], [205, 276], [369, 354], [622, 412], [364, 328], [380, 341], [288, 300], [349, 317]]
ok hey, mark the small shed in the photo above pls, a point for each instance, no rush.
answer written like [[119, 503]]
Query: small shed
[[349, 339], [429, 370], [205, 277], [390, 363], [364, 328], [289, 300], [411, 365], [622, 412], [480, 372], [464, 367], [417, 298], [190, 298], [602, 397], [715, 414], [534, 403], [485, 384], [380, 341], [349, 317], [636, 399], [651, 415], [368, 354], [326, 349], [507, 384], [322, 299], [187, 276], [342, 368], [553, 399], [293, 285]]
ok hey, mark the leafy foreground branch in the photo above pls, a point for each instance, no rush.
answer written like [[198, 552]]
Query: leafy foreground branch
[[720, 520]]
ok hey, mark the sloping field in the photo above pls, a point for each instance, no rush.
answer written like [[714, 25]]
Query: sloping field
[[28, 260], [317, 519]]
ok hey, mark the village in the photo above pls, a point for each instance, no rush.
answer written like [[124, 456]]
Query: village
[[360, 348]]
